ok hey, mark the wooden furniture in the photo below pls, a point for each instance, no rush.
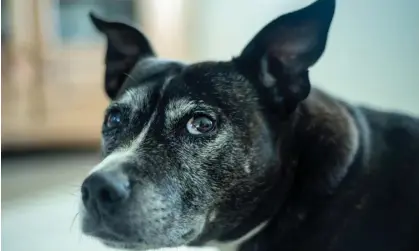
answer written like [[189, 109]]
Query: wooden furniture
[[52, 93]]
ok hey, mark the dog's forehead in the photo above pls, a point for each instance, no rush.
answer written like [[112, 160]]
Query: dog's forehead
[[173, 80], [153, 69], [205, 79]]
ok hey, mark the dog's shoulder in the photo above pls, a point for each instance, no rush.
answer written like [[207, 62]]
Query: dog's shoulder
[[334, 122], [373, 159], [383, 141], [329, 137]]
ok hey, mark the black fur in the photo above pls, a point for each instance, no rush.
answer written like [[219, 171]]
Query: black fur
[[323, 174]]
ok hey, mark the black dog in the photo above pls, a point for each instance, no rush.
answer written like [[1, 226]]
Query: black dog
[[244, 154]]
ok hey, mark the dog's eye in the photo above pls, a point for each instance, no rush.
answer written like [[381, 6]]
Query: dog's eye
[[200, 125], [113, 119]]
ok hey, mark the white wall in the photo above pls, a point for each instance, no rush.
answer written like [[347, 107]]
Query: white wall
[[372, 55]]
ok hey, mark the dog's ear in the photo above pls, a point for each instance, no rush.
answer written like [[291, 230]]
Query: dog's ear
[[126, 45], [279, 56]]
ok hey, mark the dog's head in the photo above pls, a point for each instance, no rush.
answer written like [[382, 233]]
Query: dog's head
[[189, 150]]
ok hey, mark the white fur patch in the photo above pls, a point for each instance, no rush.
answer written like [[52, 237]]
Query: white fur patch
[[137, 97], [139, 140], [266, 77], [213, 216], [111, 161], [247, 166], [176, 109], [234, 245], [122, 154]]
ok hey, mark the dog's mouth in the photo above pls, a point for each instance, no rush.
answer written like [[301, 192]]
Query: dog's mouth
[[96, 227], [124, 245], [151, 223], [121, 236], [118, 242]]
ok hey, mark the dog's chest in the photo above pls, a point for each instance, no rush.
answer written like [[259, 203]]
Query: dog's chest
[[218, 246], [235, 245]]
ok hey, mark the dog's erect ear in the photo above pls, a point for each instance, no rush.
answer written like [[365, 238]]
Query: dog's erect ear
[[279, 56], [126, 45]]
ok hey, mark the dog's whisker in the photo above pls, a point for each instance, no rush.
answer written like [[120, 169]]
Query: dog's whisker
[[74, 220], [129, 76]]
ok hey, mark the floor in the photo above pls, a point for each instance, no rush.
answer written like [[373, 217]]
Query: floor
[[40, 200]]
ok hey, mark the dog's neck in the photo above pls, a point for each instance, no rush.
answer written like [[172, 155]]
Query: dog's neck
[[322, 148]]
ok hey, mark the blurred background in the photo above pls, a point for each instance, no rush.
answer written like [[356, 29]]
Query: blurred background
[[52, 97]]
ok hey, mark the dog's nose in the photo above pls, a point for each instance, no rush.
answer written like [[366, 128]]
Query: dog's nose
[[104, 191]]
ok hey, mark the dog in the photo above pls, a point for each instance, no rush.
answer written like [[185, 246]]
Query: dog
[[244, 154]]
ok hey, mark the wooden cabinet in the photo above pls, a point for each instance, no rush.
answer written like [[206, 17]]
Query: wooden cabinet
[[52, 94], [52, 65]]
